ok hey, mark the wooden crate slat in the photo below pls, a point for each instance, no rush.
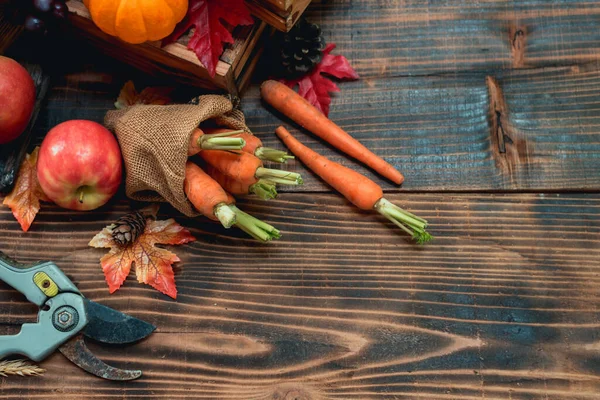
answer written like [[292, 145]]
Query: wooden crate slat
[[250, 50], [282, 5], [282, 20]]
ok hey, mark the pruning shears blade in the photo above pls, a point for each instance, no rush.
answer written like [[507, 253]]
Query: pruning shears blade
[[113, 327], [78, 353]]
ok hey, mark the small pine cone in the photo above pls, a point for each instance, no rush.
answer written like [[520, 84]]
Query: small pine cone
[[301, 49], [128, 228]]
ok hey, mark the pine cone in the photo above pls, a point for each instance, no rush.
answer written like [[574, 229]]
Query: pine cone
[[301, 49], [128, 228]]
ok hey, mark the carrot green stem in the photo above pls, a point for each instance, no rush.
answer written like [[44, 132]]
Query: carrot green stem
[[217, 141], [270, 154], [410, 223], [264, 189], [279, 176], [254, 227], [225, 214]]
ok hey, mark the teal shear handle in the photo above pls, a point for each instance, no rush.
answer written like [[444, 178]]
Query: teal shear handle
[[64, 318], [38, 282], [62, 314]]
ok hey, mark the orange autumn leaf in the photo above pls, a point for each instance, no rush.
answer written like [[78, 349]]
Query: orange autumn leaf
[[151, 95], [153, 265], [24, 200]]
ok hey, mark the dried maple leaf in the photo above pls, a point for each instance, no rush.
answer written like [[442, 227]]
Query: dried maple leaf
[[153, 265], [150, 95], [24, 199], [315, 87], [207, 17]]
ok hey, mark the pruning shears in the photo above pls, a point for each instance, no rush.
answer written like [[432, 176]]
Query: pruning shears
[[65, 317]]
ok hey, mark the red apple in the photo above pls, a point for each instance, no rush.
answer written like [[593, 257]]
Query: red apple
[[79, 165], [17, 98]]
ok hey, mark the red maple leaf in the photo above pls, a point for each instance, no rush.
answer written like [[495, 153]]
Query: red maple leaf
[[315, 87], [153, 265], [210, 33]]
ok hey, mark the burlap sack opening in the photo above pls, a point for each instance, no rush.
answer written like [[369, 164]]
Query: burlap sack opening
[[154, 142]]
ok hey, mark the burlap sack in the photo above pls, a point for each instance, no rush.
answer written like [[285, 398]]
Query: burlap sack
[[154, 142]]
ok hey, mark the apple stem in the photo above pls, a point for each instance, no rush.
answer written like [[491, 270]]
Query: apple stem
[[81, 194]]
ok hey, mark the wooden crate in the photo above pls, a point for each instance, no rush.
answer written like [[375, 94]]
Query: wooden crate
[[237, 62], [281, 14]]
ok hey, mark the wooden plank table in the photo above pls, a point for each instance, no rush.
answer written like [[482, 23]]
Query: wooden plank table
[[492, 110]]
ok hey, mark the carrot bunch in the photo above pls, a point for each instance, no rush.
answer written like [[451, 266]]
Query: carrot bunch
[[357, 188], [231, 166]]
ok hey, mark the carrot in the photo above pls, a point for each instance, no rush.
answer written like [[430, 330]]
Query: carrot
[[246, 168], [218, 141], [252, 226], [302, 112], [209, 198], [254, 146], [357, 188], [262, 188]]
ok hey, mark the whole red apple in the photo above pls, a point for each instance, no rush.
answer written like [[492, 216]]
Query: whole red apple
[[17, 98], [79, 165]]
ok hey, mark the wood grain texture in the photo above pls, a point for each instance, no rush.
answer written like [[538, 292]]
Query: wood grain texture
[[503, 304], [439, 131], [413, 37], [462, 96], [442, 134]]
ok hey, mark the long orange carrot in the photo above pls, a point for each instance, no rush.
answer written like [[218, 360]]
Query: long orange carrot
[[246, 168], [254, 146], [201, 140], [302, 112], [209, 198], [357, 188], [264, 189]]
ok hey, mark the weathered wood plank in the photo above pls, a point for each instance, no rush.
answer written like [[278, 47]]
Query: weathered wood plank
[[503, 304], [412, 37], [442, 132]]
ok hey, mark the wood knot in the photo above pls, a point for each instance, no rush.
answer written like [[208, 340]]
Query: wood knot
[[510, 148], [517, 36], [294, 391], [498, 113]]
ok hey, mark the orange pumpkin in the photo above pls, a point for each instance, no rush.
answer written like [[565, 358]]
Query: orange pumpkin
[[136, 21]]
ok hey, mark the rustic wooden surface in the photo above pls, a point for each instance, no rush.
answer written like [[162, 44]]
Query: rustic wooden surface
[[501, 149]]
